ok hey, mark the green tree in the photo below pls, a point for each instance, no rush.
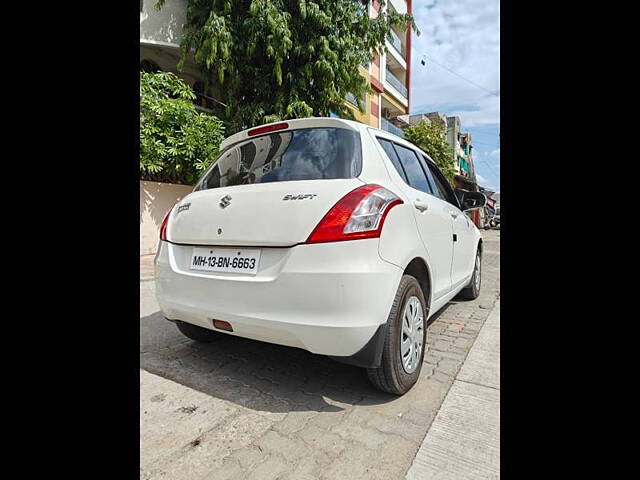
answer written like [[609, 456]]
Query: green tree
[[176, 141], [280, 59], [432, 138]]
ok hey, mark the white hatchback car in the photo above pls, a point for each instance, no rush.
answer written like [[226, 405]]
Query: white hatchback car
[[323, 234]]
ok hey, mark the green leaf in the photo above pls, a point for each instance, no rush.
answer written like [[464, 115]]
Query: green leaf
[[266, 56], [175, 137]]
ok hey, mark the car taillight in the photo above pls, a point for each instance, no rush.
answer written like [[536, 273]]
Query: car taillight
[[359, 214], [163, 227]]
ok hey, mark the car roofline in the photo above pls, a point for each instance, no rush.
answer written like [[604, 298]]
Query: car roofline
[[403, 141], [295, 124]]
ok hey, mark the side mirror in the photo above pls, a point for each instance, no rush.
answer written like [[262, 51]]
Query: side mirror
[[471, 200]]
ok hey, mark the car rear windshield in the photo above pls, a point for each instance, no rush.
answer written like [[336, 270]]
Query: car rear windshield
[[304, 154]]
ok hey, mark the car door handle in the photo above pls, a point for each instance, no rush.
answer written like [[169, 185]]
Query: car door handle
[[420, 205]]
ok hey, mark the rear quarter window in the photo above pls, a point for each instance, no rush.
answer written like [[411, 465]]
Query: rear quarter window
[[303, 154], [387, 146]]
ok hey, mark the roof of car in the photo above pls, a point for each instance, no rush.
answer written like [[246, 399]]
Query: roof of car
[[294, 124], [318, 122]]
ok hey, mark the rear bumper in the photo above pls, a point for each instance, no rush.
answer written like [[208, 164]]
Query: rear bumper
[[327, 298]]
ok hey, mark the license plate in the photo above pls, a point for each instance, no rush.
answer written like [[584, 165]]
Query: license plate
[[234, 260]]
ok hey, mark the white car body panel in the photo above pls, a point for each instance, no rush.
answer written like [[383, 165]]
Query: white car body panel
[[463, 249], [434, 225], [250, 221], [327, 298]]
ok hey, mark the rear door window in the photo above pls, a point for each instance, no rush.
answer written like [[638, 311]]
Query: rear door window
[[442, 188], [303, 154], [432, 181], [413, 169]]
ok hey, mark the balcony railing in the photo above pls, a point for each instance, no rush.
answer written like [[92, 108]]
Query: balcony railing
[[397, 84], [390, 127], [396, 43]]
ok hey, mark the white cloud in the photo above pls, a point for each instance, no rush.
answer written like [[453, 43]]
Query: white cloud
[[463, 35], [492, 156]]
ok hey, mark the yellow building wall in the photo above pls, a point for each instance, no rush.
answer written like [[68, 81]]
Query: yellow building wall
[[374, 105], [394, 102], [366, 117], [361, 117]]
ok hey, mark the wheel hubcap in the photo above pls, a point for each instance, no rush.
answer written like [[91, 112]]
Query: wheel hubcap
[[412, 334], [477, 279]]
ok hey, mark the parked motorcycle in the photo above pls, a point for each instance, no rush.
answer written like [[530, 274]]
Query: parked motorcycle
[[493, 221]]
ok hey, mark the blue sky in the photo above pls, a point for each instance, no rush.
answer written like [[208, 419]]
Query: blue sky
[[464, 36]]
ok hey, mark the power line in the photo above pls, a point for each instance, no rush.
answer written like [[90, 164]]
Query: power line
[[490, 178], [480, 87], [490, 168], [494, 93], [488, 165], [464, 78]]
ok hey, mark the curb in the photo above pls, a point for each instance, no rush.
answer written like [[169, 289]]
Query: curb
[[463, 440]]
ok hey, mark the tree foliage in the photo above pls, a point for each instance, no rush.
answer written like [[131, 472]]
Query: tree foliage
[[280, 59], [432, 138], [177, 143]]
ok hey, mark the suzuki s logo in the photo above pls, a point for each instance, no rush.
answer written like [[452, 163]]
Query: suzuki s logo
[[225, 201]]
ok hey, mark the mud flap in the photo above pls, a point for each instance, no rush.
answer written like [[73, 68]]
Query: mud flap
[[370, 355]]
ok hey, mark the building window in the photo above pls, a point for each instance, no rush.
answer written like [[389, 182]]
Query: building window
[[351, 98]]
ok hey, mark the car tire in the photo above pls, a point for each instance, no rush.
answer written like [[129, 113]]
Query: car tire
[[199, 334], [393, 376], [472, 290]]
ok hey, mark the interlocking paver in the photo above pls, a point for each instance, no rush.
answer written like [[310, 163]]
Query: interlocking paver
[[270, 469], [239, 409], [322, 440]]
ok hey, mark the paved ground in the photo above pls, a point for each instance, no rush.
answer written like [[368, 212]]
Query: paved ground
[[463, 441], [146, 267], [244, 409]]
